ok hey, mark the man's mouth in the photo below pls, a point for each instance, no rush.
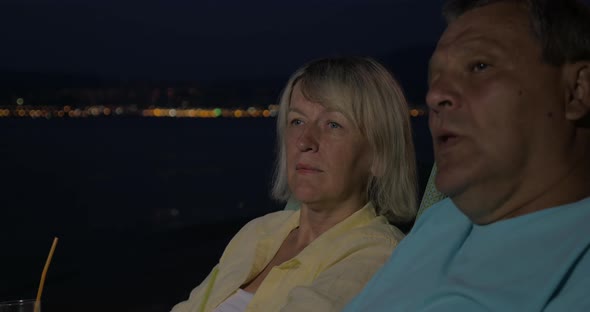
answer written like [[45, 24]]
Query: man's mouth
[[446, 139]]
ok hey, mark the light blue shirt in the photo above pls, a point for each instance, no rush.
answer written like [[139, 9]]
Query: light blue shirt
[[536, 262]]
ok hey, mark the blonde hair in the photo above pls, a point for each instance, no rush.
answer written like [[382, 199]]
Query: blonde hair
[[364, 91]]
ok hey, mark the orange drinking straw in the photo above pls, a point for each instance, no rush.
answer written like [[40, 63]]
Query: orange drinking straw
[[42, 282]]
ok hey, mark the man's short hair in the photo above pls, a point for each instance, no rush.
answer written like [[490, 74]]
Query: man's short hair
[[562, 27]]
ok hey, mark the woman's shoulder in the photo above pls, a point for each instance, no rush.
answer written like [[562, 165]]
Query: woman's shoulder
[[379, 229], [277, 216], [366, 231], [259, 228], [372, 226], [269, 222], [374, 239]]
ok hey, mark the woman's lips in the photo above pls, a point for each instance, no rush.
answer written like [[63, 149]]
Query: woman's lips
[[304, 168]]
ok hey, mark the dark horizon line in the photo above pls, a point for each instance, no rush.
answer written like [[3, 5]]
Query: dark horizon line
[[11, 78]]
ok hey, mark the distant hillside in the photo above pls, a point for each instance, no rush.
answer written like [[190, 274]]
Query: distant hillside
[[27, 79], [409, 65], [42, 88], [34, 80]]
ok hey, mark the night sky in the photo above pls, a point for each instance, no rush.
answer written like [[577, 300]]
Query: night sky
[[211, 40]]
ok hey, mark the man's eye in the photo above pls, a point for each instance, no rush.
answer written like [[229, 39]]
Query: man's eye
[[334, 125], [478, 66]]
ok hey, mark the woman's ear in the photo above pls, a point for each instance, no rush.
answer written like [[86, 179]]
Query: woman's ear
[[578, 104]]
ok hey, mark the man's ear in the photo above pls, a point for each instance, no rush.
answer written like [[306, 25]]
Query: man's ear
[[578, 102]]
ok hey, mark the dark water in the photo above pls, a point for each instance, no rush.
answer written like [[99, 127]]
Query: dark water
[[143, 207]]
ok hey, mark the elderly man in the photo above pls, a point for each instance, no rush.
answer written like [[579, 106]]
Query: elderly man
[[509, 98]]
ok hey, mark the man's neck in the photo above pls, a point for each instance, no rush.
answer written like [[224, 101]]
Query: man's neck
[[545, 188]]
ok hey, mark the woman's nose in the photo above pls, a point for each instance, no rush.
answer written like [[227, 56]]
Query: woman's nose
[[308, 140]]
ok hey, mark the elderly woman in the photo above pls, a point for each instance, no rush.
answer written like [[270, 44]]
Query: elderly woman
[[346, 154]]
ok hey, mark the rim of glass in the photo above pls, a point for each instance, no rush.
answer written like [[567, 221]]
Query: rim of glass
[[16, 302]]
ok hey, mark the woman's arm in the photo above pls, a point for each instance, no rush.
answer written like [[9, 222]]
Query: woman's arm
[[199, 295]]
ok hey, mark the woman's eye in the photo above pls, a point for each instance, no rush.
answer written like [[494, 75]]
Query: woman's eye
[[296, 122], [334, 125], [478, 66]]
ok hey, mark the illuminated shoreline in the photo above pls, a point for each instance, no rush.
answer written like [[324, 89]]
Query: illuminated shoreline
[[99, 111]]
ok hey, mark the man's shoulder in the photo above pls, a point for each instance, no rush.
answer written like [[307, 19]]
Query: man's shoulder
[[581, 207], [443, 213], [563, 218]]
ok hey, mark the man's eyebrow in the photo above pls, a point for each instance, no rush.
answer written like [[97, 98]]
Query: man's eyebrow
[[479, 45]]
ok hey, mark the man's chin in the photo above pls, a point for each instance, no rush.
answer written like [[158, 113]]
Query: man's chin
[[449, 184]]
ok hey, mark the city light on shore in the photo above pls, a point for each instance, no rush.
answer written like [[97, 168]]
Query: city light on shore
[[67, 111]]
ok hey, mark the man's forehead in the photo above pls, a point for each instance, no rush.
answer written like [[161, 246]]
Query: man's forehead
[[498, 26], [493, 21]]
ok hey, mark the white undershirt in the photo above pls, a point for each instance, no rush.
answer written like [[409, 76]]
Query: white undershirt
[[236, 302]]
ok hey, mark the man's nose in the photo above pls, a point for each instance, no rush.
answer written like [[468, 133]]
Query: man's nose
[[442, 94]]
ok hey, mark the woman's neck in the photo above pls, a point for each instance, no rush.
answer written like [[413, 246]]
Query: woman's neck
[[317, 218]]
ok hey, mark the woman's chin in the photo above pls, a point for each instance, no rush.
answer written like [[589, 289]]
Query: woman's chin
[[306, 196], [306, 199]]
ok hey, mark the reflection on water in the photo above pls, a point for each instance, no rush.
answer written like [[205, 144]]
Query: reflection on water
[[136, 173], [143, 207]]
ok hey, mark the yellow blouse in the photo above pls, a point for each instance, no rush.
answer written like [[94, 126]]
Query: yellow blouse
[[324, 276]]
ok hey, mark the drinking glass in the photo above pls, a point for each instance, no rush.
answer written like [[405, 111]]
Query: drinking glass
[[27, 305]]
